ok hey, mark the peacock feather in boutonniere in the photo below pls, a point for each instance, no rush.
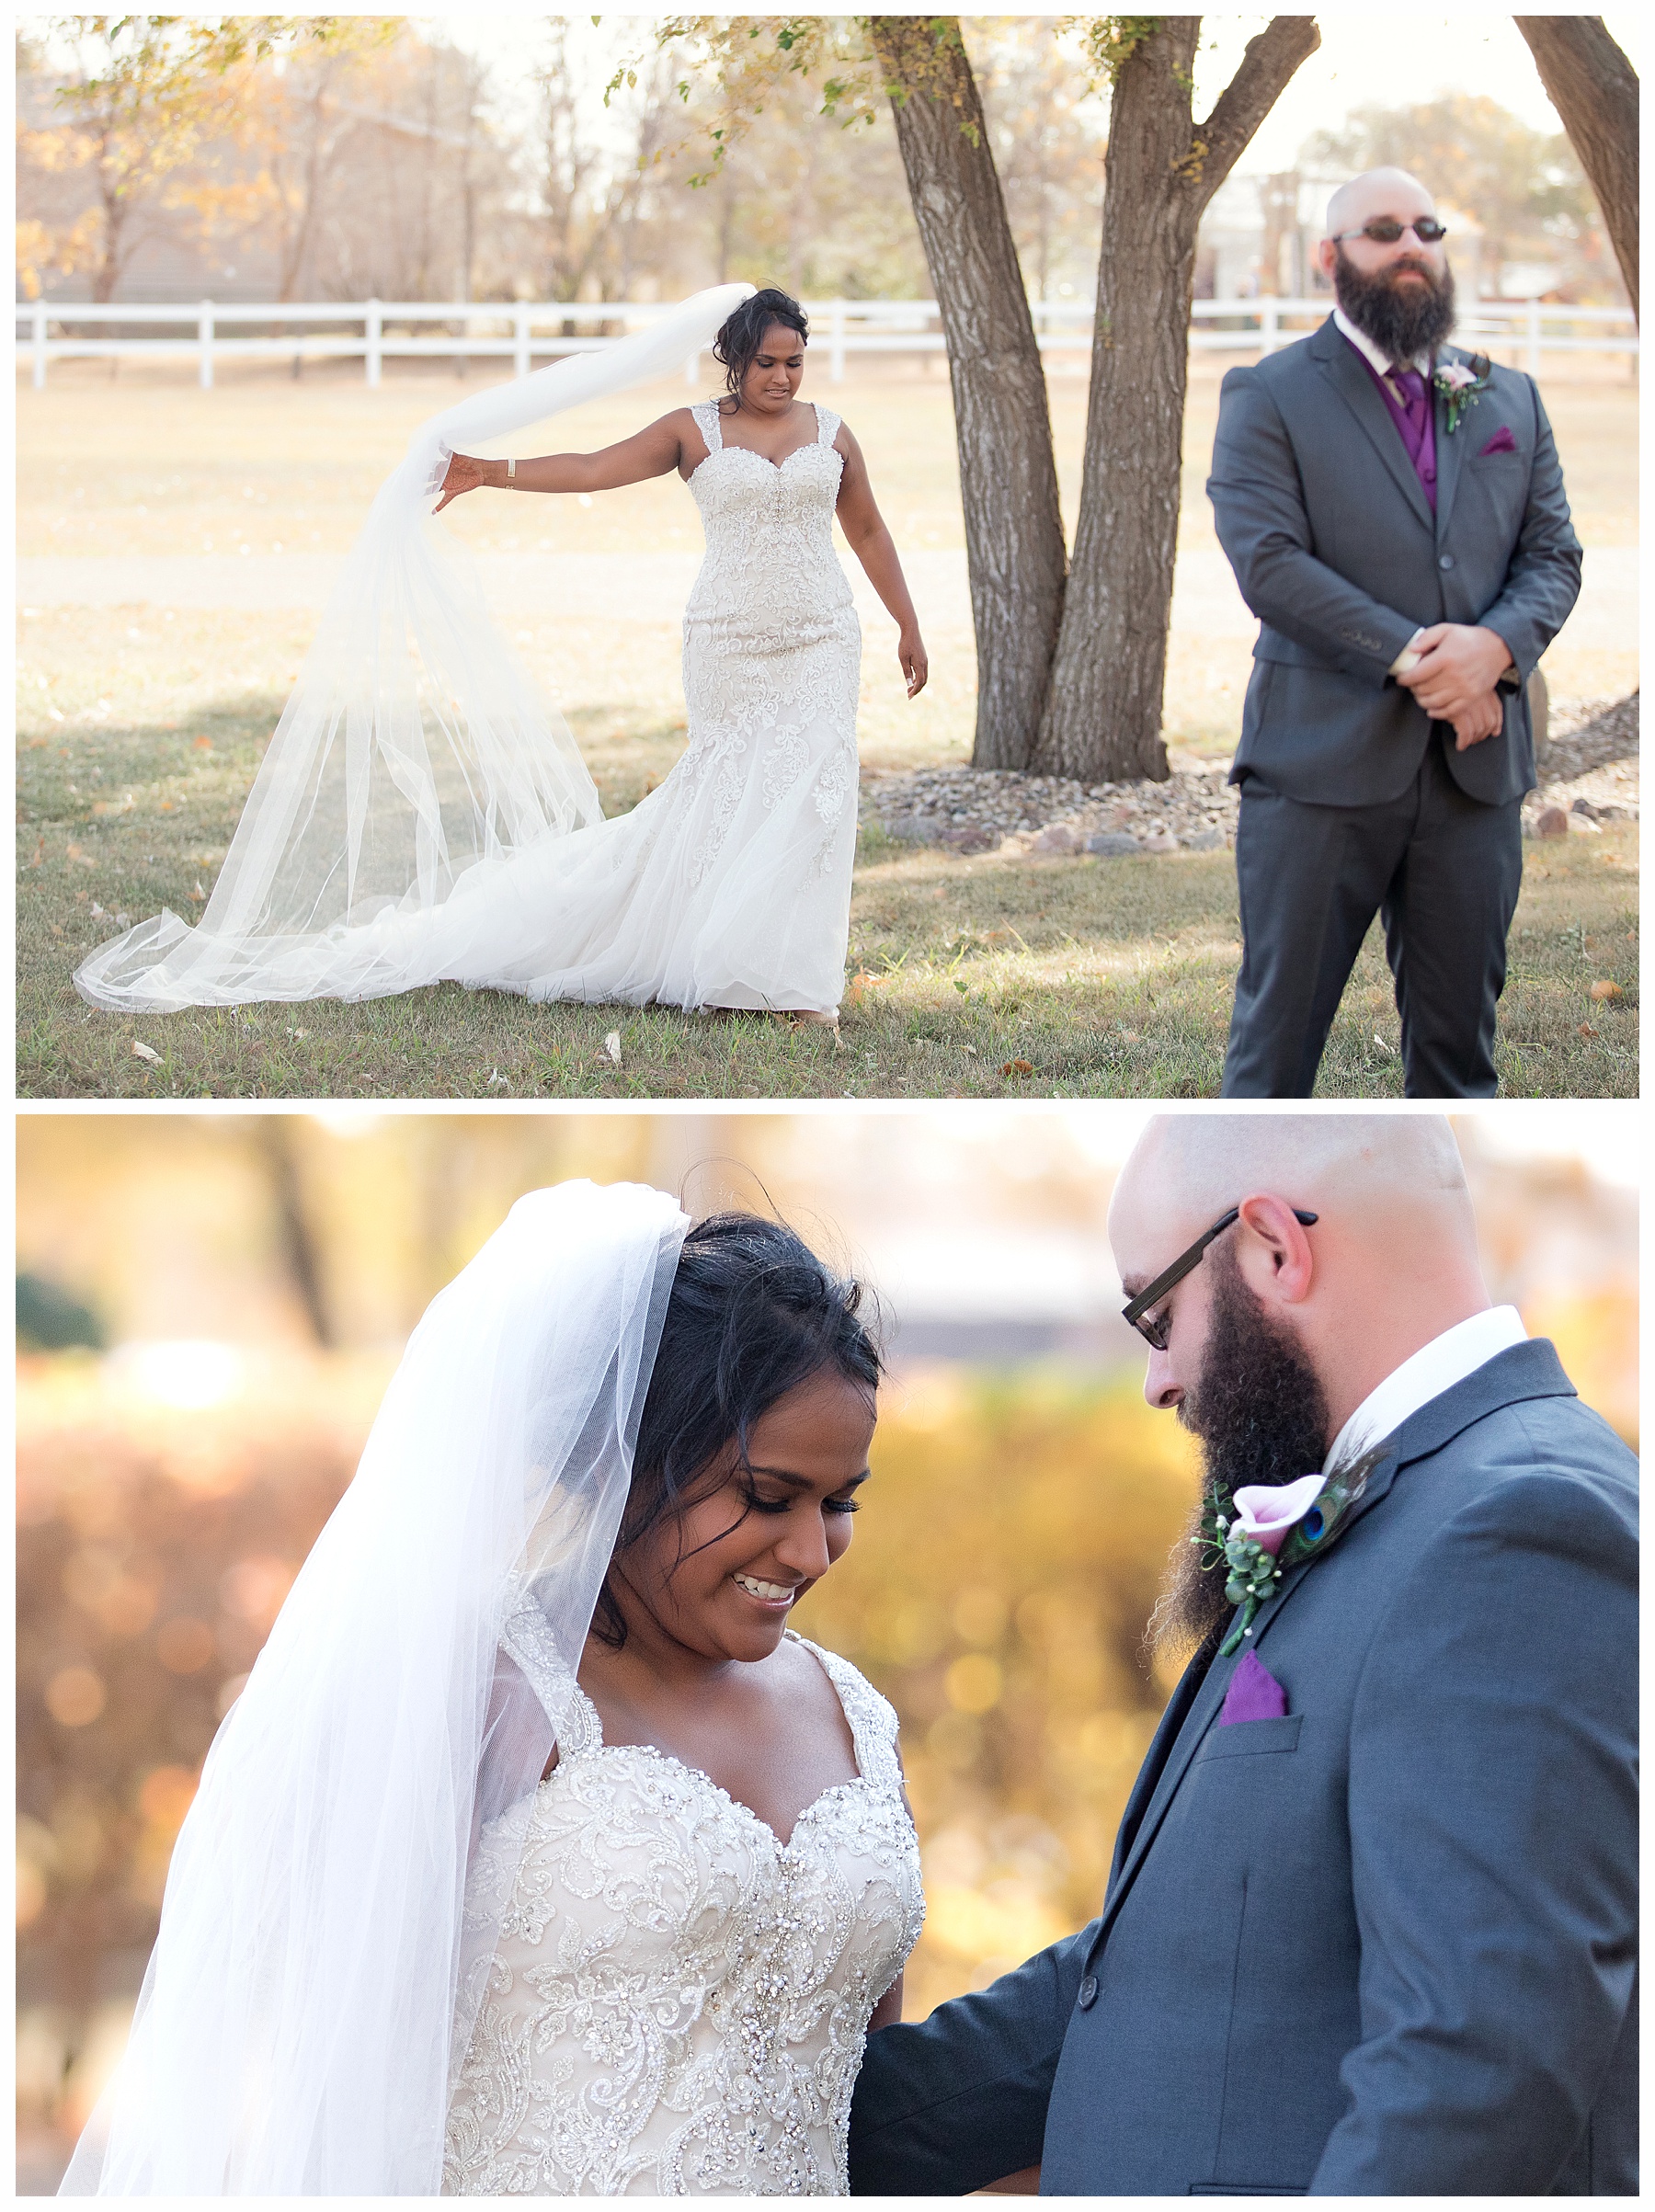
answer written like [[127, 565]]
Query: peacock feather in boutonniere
[[1461, 387], [1260, 1532]]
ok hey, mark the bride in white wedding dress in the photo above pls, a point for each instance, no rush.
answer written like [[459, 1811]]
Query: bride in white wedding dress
[[539, 1857], [418, 824]]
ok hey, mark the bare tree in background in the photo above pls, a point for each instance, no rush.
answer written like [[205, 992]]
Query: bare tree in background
[[1594, 88], [1102, 713]]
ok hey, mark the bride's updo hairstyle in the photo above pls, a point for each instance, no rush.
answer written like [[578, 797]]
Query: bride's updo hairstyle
[[753, 1314], [737, 345]]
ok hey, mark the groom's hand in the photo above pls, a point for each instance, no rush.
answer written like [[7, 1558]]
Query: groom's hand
[[1458, 663], [1484, 717]]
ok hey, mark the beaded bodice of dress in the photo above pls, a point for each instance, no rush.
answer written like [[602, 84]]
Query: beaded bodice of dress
[[768, 529], [678, 2000]]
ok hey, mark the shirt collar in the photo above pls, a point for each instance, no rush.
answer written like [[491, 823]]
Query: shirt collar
[[1435, 1367], [1370, 352]]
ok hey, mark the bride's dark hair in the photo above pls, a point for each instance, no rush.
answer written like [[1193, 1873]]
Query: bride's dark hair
[[753, 1314], [737, 345]]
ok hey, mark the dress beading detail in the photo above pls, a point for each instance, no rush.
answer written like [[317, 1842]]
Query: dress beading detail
[[679, 2002]]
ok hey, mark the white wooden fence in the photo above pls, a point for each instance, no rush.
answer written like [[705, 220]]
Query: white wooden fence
[[374, 331]]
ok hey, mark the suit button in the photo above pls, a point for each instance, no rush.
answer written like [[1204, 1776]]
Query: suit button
[[1444, 560], [1086, 1996]]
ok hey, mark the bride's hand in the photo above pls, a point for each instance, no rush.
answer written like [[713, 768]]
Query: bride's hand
[[914, 667], [464, 474]]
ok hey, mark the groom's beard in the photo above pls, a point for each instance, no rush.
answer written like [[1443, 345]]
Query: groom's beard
[[1262, 1416], [1404, 320]]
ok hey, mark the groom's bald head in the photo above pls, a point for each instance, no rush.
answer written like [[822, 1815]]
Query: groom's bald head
[[1376, 1173], [1389, 1262]]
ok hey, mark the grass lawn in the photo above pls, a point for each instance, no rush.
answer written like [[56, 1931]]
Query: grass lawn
[[1105, 978], [140, 724]]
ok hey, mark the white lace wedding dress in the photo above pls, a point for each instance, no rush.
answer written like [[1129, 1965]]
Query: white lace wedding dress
[[679, 2002], [727, 885]]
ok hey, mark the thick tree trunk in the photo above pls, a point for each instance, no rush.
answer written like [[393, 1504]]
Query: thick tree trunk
[[1103, 712], [1008, 475], [1594, 88]]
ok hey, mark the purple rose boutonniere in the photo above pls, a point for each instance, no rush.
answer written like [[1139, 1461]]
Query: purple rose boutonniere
[[1261, 1530], [1461, 387]]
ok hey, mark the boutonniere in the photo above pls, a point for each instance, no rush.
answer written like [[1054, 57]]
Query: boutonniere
[[1261, 1530], [1461, 387]]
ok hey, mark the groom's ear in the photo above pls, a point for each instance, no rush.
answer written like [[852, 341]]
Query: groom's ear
[[1275, 1256]]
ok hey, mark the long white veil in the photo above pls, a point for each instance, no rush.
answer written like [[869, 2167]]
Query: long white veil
[[321, 1954], [414, 745]]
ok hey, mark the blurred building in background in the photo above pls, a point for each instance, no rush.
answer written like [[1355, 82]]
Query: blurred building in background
[[210, 1307]]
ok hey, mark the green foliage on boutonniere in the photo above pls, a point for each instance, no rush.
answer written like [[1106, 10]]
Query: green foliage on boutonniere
[[1461, 387], [1254, 1574]]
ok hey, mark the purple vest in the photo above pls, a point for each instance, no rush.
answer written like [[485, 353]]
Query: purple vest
[[1416, 423]]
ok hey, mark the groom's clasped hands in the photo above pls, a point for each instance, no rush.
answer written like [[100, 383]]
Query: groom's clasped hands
[[1455, 676]]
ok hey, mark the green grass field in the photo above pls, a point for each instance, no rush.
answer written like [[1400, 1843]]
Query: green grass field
[[1107, 978], [140, 724]]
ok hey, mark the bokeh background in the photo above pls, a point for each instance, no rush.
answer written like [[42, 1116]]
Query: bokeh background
[[208, 1308]]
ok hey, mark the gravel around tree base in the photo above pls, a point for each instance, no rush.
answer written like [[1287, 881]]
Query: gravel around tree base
[[1589, 770]]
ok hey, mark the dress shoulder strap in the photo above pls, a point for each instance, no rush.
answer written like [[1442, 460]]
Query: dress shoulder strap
[[707, 423], [527, 1640], [828, 424], [873, 1718]]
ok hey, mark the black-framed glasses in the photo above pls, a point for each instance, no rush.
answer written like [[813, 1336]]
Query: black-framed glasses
[[1385, 230], [1153, 1328]]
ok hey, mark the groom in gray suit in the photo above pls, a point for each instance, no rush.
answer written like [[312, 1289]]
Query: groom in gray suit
[[1370, 1926], [1395, 515]]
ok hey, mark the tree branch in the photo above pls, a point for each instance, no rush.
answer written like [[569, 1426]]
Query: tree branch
[[1266, 67], [1594, 89]]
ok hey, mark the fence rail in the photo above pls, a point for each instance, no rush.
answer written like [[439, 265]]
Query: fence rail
[[525, 331]]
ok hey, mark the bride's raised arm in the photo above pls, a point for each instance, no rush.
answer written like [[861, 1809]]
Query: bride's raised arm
[[651, 453]]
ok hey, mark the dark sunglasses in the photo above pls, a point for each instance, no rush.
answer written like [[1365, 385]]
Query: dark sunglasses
[[1384, 231], [1155, 1327]]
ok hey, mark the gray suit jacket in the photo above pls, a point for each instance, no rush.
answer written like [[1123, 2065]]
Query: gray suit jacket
[[1385, 1946], [1337, 552]]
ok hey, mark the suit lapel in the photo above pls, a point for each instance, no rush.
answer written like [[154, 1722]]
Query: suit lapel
[[1447, 453], [1182, 1735], [1155, 1757], [1340, 364]]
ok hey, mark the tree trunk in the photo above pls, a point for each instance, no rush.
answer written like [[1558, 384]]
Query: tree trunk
[[1103, 713], [1008, 475], [1594, 88]]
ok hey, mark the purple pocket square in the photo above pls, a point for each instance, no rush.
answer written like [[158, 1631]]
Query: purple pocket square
[[1501, 442], [1254, 1694]]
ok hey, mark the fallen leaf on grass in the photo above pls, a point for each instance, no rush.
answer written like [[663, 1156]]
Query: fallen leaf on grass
[[861, 983], [197, 896], [1585, 1029], [1384, 1048], [1017, 1067], [203, 745], [1600, 991], [145, 1051], [611, 1045]]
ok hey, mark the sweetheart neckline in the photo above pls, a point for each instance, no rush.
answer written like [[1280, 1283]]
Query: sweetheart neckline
[[779, 466], [699, 1774]]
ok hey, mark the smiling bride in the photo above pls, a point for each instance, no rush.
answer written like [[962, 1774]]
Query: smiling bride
[[422, 813], [539, 1856]]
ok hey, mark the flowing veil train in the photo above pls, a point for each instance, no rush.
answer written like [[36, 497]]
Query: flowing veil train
[[415, 753]]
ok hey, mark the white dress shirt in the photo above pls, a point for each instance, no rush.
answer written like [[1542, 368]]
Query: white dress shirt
[[1435, 1367]]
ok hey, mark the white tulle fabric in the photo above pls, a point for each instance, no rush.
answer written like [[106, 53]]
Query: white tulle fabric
[[679, 2002], [414, 751], [313, 1987]]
